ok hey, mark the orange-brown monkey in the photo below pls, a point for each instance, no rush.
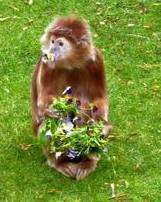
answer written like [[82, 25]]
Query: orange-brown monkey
[[77, 63]]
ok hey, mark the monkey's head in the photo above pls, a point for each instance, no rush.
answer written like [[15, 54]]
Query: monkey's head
[[69, 39]]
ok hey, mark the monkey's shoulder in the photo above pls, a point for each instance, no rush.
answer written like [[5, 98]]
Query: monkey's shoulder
[[97, 62]]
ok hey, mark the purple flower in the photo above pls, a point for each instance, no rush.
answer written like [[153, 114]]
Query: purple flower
[[78, 121], [68, 91], [73, 156], [48, 135], [68, 125]]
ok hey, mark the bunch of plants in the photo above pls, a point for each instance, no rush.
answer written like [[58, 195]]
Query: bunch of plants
[[72, 130]]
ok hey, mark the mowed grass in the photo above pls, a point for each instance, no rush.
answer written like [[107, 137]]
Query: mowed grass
[[129, 35]]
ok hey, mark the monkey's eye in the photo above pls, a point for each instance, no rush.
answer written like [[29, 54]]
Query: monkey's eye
[[52, 41], [61, 43]]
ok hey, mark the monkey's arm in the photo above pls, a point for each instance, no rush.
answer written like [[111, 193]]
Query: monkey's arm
[[97, 86], [41, 98], [34, 97], [98, 92]]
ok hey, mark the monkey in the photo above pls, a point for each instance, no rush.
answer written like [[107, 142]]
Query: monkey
[[76, 63]]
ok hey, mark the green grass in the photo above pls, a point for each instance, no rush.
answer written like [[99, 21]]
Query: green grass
[[129, 34]]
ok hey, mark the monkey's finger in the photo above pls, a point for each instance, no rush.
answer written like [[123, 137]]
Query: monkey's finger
[[106, 130], [70, 171], [81, 173], [51, 113]]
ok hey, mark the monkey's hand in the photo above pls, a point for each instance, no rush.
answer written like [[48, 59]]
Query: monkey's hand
[[106, 130], [51, 113], [47, 113]]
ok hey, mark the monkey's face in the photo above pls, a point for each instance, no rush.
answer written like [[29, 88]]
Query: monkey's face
[[60, 47]]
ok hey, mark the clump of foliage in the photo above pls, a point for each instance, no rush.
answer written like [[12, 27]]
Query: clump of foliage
[[71, 131]]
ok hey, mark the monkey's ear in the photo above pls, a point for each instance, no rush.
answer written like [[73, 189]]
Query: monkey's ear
[[44, 39], [84, 41]]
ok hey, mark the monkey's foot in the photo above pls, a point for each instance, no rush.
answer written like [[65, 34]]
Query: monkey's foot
[[66, 168], [76, 171], [86, 167]]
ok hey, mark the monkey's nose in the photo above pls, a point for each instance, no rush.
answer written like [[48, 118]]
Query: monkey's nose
[[55, 49], [56, 53]]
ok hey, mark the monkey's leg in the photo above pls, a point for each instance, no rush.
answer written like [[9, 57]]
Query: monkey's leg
[[42, 111], [68, 169], [101, 109], [62, 165], [101, 113], [43, 103], [60, 162]]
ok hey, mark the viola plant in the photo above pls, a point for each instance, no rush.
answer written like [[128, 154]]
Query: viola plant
[[70, 132]]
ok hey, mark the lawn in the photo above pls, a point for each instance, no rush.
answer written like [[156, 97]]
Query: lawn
[[129, 35]]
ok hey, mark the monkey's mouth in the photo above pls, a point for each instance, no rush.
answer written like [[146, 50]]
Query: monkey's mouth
[[51, 56]]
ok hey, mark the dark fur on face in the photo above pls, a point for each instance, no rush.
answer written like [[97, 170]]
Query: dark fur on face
[[73, 29]]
